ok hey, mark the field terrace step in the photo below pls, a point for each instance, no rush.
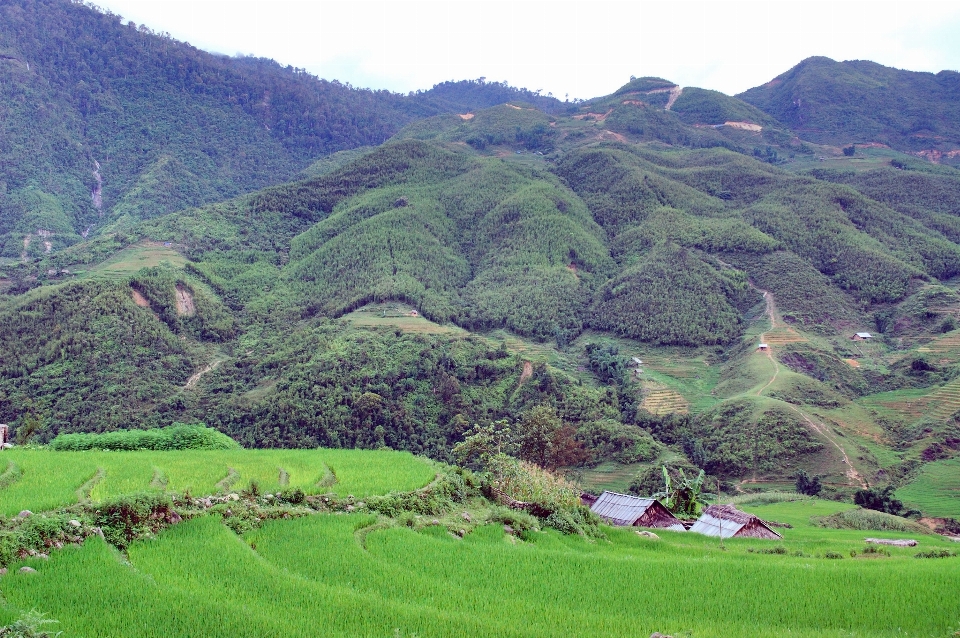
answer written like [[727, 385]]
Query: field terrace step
[[780, 336], [665, 401]]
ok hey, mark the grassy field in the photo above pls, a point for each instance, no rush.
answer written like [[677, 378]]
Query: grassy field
[[130, 260], [318, 576], [53, 479], [936, 491]]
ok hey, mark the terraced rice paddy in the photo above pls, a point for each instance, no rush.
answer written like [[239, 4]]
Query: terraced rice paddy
[[945, 349], [665, 401], [944, 401], [782, 335], [936, 491], [401, 319], [335, 575], [48, 480]]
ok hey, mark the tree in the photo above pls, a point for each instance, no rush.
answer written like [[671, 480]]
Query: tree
[[849, 150], [880, 500], [806, 484], [483, 442]]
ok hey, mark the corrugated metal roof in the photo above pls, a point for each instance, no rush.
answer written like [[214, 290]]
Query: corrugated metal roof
[[620, 509], [723, 528], [865, 335]]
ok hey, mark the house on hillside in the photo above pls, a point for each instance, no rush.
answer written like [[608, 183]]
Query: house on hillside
[[626, 510], [763, 346], [726, 521], [862, 336]]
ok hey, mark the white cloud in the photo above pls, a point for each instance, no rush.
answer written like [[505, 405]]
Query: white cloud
[[584, 49]]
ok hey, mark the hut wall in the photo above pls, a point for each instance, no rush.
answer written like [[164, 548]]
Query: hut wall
[[755, 529], [656, 516]]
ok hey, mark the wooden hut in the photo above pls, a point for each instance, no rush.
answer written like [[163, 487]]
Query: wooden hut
[[862, 336], [626, 510], [726, 521]]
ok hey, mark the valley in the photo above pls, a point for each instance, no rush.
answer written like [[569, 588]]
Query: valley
[[279, 353]]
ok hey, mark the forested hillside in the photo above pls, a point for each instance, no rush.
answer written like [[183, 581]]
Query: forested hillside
[[589, 283], [105, 121], [858, 101]]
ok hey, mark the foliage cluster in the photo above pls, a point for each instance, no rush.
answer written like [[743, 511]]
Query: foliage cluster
[[178, 436]]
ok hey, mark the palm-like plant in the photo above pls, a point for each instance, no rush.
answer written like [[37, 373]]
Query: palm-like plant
[[683, 496]]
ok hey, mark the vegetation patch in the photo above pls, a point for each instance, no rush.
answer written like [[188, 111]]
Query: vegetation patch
[[869, 520], [175, 437]]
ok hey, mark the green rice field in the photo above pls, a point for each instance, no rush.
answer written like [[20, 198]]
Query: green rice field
[[317, 576], [44, 480], [339, 574], [936, 491]]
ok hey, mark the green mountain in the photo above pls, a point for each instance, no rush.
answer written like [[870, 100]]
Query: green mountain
[[862, 102], [105, 123], [613, 264]]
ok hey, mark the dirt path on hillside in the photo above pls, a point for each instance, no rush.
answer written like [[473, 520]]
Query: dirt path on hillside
[[771, 313], [824, 430], [527, 372], [674, 94], [210, 367], [814, 424]]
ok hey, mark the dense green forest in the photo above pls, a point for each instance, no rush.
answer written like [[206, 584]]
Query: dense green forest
[[104, 122], [858, 101]]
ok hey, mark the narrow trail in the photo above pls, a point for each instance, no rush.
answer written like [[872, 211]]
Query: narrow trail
[[771, 312], [817, 426], [210, 367], [823, 430]]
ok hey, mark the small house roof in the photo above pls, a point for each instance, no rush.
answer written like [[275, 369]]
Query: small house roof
[[725, 521], [763, 345], [865, 335], [620, 509], [624, 509]]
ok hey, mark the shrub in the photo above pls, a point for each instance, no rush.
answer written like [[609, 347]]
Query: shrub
[[833, 555], [179, 436], [936, 553], [879, 500], [863, 519], [768, 498], [128, 517], [575, 520], [29, 626], [517, 519], [294, 496], [806, 484]]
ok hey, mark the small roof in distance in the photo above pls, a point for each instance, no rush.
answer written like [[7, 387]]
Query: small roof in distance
[[865, 335]]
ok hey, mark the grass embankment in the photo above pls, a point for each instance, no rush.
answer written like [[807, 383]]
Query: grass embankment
[[48, 480], [312, 575]]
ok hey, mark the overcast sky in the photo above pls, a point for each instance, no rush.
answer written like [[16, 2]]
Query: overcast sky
[[580, 49]]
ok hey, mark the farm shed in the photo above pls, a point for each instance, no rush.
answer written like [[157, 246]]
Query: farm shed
[[763, 346], [727, 521], [862, 336], [622, 509]]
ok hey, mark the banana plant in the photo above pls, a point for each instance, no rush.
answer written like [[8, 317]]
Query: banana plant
[[683, 496]]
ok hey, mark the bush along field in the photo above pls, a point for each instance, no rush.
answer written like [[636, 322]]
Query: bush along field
[[381, 543]]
